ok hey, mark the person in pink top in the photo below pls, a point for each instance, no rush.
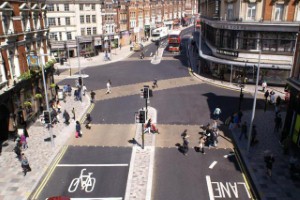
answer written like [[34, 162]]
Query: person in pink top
[[24, 142]]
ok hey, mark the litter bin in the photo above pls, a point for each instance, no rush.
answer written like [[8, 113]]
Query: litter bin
[[60, 94]]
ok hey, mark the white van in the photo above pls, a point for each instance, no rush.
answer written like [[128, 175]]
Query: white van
[[159, 34]]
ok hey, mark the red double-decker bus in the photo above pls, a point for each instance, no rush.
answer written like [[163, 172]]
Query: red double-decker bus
[[174, 38]]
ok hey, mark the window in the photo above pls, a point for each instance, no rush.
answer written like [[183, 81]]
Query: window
[[93, 7], [67, 8], [58, 21], [82, 31], [69, 36], [94, 30], [251, 11], [57, 7], [81, 19], [230, 11], [279, 12], [60, 36], [53, 36], [88, 18], [89, 31], [81, 6], [50, 7], [94, 18], [68, 21], [51, 21]]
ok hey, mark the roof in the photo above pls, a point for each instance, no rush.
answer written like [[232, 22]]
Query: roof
[[174, 32]]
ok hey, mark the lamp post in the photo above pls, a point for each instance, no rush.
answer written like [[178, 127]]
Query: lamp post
[[46, 99], [254, 104]]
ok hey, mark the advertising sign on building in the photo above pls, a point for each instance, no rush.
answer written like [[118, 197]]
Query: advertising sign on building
[[33, 62]]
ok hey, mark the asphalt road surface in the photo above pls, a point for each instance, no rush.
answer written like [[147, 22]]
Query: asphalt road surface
[[90, 172], [214, 175]]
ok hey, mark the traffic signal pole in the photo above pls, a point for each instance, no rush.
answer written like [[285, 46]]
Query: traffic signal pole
[[143, 136]]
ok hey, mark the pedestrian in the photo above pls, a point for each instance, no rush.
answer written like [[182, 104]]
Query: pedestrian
[[58, 106], [88, 121], [240, 115], [155, 84], [267, 95], [215, 135], [217, 113], [202, 144], [84, 89], [185, 145], [73, 112], [269, 160], [108, 85], [17, 150], [120, 46], [92, 96], [66, 116], [253, 136], [243, 130], [78, 129], [25, 164], [23, 141], [148, 126], [264, 85], [69, 90], [56, 89], [278, 123], [272, 97]]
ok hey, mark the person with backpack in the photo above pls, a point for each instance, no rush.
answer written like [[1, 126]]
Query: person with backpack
[[25, 164]]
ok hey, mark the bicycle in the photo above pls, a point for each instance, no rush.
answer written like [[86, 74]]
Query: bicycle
[[87, 182]]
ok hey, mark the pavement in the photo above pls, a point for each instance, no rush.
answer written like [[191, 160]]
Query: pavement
[[41, 153]]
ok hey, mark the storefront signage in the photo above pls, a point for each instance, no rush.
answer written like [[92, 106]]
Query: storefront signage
[[33, 62], [228, 52]]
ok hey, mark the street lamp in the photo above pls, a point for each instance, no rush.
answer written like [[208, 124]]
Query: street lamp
[[46, 99], [254, 104]]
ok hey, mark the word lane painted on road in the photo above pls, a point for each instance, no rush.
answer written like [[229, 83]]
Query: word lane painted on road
[[225, 190]]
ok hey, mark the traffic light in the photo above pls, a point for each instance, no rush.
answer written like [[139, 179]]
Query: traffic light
[[142, 116], [47, 117], [146, 92]]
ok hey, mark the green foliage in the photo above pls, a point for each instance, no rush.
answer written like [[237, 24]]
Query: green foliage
[[27, 104], [52, 85], [38, 96], [26, 75]]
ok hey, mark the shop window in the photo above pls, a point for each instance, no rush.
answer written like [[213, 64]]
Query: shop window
[[279, 8], [251, 11]]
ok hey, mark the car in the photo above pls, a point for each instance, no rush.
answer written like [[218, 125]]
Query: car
[[138, 47]]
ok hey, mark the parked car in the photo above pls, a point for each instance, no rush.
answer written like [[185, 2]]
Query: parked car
[[138, 47]]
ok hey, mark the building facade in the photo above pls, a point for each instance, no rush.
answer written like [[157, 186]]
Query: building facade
[[99, 25], [239, 34], [23, 49], [291, 129]]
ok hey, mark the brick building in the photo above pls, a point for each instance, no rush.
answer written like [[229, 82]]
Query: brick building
[[23, 45]]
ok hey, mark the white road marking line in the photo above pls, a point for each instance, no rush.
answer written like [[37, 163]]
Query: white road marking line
[[150, 173], [130, 173], [210, 189], [92, 165], [226, 156], [213, 164]]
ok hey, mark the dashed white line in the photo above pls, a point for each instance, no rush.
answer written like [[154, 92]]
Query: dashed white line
[[213, 164]]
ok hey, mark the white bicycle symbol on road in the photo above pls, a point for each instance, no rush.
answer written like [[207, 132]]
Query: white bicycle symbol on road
[[86, 181]]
